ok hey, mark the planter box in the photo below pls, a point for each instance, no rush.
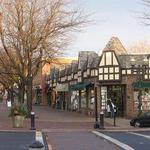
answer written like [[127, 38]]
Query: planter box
[[18, 121]]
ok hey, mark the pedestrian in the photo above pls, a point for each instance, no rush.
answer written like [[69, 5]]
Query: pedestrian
[[57, 103], [108, 108], [64, 104]]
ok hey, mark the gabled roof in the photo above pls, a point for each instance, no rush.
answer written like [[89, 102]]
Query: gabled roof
[[74, 68], [68, 69], [86, 58], [126, 61], [114, 44], [82, 60], [93, 60], [54, 73]]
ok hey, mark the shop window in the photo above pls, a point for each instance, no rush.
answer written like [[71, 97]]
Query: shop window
[[145, 100], [92, 100], [83, 99]]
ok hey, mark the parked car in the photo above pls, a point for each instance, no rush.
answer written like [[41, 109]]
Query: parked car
[[142, 121]]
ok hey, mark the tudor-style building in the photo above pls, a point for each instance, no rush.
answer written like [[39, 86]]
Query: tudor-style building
[[124, 78], [117, 74]]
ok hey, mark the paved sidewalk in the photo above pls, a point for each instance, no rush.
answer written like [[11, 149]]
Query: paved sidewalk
[[52, 119]]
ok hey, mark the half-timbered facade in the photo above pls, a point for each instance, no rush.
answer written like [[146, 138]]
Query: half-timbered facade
[[114, 75]]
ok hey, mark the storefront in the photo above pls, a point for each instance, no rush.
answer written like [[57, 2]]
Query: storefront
[[141, 96], [115, 93]]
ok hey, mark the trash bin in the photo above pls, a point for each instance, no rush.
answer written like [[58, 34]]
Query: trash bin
[[36, 145]]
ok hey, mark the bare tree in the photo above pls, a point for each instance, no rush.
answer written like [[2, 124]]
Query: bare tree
[[139, 47], [33, 30], [146, 13]]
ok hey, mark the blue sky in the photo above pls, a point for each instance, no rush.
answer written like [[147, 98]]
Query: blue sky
[[112, 18]]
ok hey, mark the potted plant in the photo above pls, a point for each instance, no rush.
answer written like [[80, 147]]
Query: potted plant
[[18, 114]]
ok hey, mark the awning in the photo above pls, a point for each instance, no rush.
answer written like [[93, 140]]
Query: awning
[[62, 87], [80, 86], [141, 84]]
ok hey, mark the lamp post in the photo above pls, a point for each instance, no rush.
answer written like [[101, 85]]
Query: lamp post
[[96, 125]]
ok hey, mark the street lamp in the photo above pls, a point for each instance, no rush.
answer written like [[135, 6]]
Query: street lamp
[[96, 125]]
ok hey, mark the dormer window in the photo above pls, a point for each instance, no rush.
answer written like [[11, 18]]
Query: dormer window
[[145, 59], [132, 59]]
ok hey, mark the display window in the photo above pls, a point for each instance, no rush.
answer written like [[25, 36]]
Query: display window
[[145, 100]]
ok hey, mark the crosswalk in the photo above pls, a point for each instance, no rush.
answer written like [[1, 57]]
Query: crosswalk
[[128, 140]]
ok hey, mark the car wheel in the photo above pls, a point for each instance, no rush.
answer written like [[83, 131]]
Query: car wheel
[[137, 124]]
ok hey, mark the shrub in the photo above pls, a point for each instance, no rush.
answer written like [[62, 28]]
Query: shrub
[[19, 110]]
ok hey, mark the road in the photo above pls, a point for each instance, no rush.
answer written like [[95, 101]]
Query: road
[[78, 140], [135, 140], [16, 140]]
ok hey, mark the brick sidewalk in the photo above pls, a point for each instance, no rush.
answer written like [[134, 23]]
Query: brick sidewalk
[[48, 119]]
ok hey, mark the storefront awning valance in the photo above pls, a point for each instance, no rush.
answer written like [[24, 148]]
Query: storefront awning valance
[[80, 86], [141, 84]]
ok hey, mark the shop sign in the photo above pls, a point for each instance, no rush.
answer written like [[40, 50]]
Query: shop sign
[[62, 87]]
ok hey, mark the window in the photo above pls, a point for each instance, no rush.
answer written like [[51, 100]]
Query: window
[[111, 70], [96, 72], [116, 76], [123, 71], [106, 77], [105, 70], [146, 76], [100, 70], [117, 69], [100, 77], [128, 71], [111, 76]]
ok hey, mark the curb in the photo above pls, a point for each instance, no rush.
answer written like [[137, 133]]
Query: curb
[[122, 130]]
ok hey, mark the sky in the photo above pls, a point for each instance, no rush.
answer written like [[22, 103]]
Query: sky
[[118, 18]]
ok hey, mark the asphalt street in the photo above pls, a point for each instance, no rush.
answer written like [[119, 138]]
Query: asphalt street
[[136, 140], [16, 140], [78, 141]]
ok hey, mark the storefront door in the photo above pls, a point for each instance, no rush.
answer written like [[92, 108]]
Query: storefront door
[[117, 95]]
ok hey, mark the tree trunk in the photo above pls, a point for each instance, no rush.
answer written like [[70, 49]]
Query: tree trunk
[[21, 93], [29, 94]]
